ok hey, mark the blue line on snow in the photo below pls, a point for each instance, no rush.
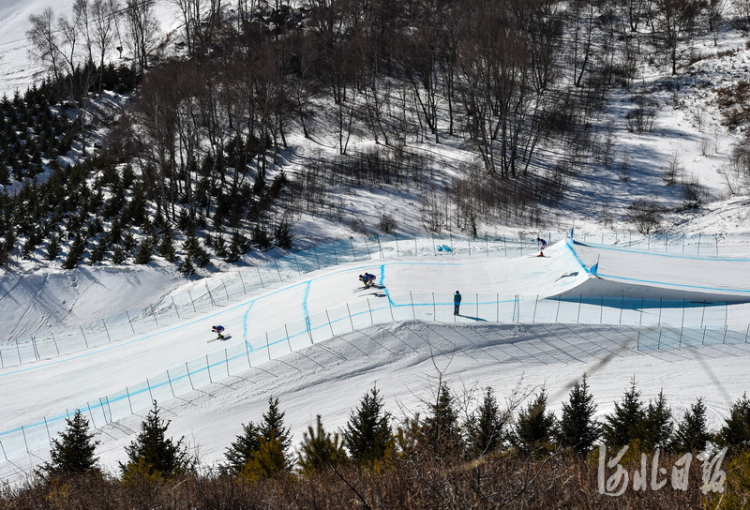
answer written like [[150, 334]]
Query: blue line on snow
[[718, 289], [661, 254], [569, 244]]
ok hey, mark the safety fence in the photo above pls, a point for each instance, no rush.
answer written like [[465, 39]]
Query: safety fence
[[660, 324], [201, 297]]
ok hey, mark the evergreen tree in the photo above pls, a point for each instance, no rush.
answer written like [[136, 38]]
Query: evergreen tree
[[119, 255], [736, 431], [692, 432], [74, 254], [166, 247], [368, 435], [578, 429], [73, 452], [261, 238], [268, 461], [53, 247], [145, 252], [273, 426], [657, 426], [186, 267], [283, 236], [442, 431], [195, 251], [151, 454], [623, 425], [486, 426], [240, 452], [320, 450], [535, 427]]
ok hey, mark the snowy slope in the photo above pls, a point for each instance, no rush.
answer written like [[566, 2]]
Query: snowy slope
[[218, 389]]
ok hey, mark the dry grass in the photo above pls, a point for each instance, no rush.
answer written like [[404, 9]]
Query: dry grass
[[508, 482]]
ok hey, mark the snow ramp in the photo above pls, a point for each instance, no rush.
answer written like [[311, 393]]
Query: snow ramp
[[621, 272]]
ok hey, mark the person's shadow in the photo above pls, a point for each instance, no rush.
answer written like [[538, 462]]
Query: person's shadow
[[477, 319]]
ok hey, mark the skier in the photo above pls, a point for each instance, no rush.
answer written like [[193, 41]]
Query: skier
[[456, 303], [368, 279], [542, 246], [218, 330]]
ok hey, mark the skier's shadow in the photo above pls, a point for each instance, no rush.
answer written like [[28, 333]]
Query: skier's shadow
[[477, 319]]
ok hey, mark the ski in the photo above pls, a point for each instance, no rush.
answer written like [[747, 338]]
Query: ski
[[226, 337]]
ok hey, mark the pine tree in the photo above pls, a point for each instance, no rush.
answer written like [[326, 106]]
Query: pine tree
[[535, 427], [145, 252], [268, 461], [579, 430], [73, 452], [166, 247], [151, 454], [74, 254], [442, 431], [240, 452], [53, 247], [320, 450], [736, 431], [486, 426], [692, 432], [623, 425], [283, 236], [368, 435], [273, 426], [657, 426]]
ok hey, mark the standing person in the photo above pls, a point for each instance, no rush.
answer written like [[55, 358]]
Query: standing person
[[219, 330], [542, 246], [456, 303]]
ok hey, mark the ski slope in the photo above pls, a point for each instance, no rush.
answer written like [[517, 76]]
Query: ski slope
[[525, 322]]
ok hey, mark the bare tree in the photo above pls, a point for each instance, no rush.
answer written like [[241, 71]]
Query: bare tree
[[45, 42], [104, 20], [143, 28]]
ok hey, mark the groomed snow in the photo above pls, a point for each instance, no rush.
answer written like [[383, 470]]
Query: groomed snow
[[403, 358]]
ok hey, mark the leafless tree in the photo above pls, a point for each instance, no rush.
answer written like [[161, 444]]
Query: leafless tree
[[143, 28], [104, 20], [45, 41]]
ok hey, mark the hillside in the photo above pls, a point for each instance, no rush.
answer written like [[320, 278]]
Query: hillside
[[219, 156]]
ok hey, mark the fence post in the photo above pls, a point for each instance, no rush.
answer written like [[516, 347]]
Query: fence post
[[208, 369], [46, 425], [351, 321], [268, 347], [640, 319], [335, 254], [704, 313], [91, 414], [169, 378], [190, 379], [681, 331], [451, 237], [533, 316], [747, 332], [278, 271], [397, 253], [369, 309], [192, 301], [288, 342], [703, 341], [661, 301], [367, 248], [434, 308], [580, 302], [223, 283], [351, 245], [329, 323], [601, 311], [411, 298], [476, 297], [390, 306], [26, 444], [82, 333], [380, 246], [226, 360], [299, 271], [497, 298], [210, 296], [4, 454], [107, 330], [317, 261], [726, 329], [557, 314], [54, 341], [261, 278], [638, 342], [130, 404], [127, 314], [658, 345], [176, 310], [153, 312]]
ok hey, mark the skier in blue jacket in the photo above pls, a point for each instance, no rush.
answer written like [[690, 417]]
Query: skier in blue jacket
[[456, 303], [542, 246]]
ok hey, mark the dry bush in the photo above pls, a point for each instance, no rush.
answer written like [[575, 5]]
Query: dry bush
[[419, 483]]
